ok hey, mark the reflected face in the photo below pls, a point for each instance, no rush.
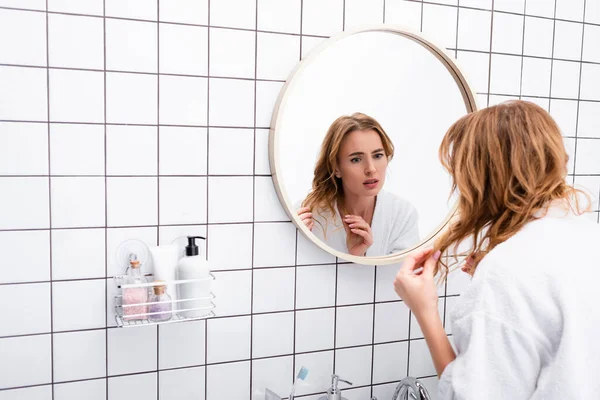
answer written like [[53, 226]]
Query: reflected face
[[362, 163]]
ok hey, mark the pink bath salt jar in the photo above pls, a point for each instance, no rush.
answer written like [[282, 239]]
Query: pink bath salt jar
[[136, 295]]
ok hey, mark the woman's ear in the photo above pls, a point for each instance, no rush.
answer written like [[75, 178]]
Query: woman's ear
[[337, 173]]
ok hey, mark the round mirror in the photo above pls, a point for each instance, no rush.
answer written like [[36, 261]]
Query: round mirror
[[354, 143]]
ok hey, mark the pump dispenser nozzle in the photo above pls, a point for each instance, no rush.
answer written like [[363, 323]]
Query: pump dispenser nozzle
[[192, 248]]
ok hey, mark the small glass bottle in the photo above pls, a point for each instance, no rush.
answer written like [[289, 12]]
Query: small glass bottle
[[163, 305], [135, 297]]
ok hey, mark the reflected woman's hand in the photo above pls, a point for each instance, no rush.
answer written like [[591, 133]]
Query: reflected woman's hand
[[306, 216], [358, 235]]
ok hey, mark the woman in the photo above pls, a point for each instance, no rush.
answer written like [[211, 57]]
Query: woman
[[528, 326], [347, 208]]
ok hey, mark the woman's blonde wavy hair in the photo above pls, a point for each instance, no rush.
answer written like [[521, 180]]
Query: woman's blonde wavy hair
[[507, 162], [327, 189]]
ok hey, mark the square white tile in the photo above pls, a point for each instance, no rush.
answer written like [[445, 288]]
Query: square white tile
[[482, 4], [592, 11], [183, 49], [24, 94], [267, 94], [238, 144], [320, 367], [384, 289], [406, 13], [590, 82], [233, 292], [78, 305], [277, 55], [230, 246], [476, 67], [131, 150], [33, 312], [71, 246], [591, 38], [182, 151], [538, 37], [512, 6], [232, 53], [231, 103], [542, 102], [420, 363], [536, 76], [570, 149], [354, 326], [315, 330], [26, 4], [131, 46], [76, 96], [79, 355], [24, 204], [168, 234], [131, 350], [27, 31], [116, 236], [589, 119], [182, 200], [272, 334], [131, 98], [15, 247], [390, 362], [132, 201], [274, 244], [439, 23], [565, 79], [23, 148], [261, 152], [89, 7], [75, 41], [178, 384], [564, 113], [133, 386], [279, 16], [507, 35], [505, 76], [273, 289], [541, 8], [230, 199], [571, 10], [474, 29], [89, 390], [308, 43], [272, 373], [315, 286], [359, 12], [228, 381], [185, 11], [77, 202], [183, 100], [267, 207], [356, 284], [76, 149], [322, 17], [228, 339], [587, 161], [568, 38], [309, 253], [181, 345], [134, 9], [26, 360], [29, 393], [391, 322], [245, 17], [354, 365]]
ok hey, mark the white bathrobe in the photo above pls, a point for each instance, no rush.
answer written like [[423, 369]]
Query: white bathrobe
[[395, 226], [528, 326]]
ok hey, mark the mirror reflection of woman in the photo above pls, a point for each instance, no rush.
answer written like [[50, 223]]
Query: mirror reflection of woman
[[347, 208]]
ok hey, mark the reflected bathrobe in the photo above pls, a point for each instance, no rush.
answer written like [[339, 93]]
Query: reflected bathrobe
[[528, 325]]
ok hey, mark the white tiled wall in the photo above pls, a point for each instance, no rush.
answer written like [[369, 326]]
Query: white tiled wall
[[149, 119]]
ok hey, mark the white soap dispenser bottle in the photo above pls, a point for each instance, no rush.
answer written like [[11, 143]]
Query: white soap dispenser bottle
[[193, 296]]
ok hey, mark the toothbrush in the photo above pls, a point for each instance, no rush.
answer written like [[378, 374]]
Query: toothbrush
[[301, 376]]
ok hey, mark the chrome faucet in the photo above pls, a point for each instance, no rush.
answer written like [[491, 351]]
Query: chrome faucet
[[410, 388]]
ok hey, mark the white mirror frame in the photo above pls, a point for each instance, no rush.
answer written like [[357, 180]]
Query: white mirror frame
[[274, 134]]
